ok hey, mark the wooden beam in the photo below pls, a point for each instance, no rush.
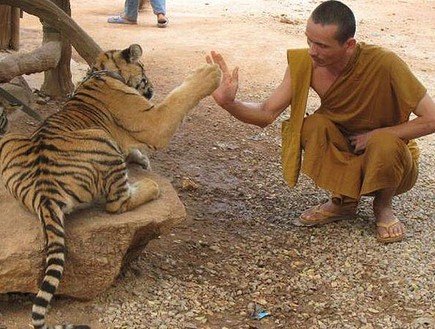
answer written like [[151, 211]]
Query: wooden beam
[[42, 59]]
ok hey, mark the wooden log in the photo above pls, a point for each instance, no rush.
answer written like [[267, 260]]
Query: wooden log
[[41, 59], [15, 28], [5, 26], [58, 81]]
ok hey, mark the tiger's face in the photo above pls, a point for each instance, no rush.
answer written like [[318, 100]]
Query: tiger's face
[[128, 65]]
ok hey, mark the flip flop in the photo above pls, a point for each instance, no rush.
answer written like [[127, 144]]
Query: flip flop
[[162, 22], [389, 239], [322, 216], [120, 20]]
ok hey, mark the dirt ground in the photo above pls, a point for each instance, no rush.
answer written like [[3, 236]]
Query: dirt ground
[[227, 173]]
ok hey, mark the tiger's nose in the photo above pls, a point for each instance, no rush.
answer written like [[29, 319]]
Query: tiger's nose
[[149, 92]]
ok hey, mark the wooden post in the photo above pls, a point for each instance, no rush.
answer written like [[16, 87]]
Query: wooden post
[[58, 81], [16, 14], [9, 27]]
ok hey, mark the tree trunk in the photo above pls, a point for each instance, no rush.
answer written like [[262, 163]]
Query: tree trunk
[[15, 28], [9, 27], [58, 81]]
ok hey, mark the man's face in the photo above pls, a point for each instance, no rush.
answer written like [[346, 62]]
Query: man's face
[[324, 49]]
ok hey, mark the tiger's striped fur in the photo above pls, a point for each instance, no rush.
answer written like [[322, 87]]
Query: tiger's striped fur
[[79, 153], [3, 121]]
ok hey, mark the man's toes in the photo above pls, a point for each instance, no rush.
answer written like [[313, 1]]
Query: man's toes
[[383, 233], [390, 230], [398, 229]]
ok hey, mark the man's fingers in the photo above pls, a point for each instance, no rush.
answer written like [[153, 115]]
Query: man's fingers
[[236, 74], [208, 59], [219, 60]]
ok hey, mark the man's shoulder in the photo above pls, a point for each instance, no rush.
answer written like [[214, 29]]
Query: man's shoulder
[[372, 52]]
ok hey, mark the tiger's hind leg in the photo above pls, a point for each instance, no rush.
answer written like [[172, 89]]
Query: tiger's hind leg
[[123, 196], [111, 173], [137, 157]]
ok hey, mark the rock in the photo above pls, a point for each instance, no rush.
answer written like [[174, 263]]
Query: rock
[[20, 89], [98, 244]]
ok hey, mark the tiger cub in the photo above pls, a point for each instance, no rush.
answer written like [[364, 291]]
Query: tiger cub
[[79, 153]]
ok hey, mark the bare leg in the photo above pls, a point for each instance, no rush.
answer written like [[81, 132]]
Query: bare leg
[[389, 228]]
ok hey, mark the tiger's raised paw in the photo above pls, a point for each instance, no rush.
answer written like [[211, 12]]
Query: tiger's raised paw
[[204, 80]]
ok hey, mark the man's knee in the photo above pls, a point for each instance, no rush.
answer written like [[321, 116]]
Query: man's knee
[[318, 131], [385, 145], [390, 150], [388, 159], [315, 125], [315, 122]]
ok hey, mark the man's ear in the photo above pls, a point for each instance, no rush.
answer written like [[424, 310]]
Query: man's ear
[[351, 43]]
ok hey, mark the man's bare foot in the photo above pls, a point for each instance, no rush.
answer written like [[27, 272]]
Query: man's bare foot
[[327, 213], [388, 227]]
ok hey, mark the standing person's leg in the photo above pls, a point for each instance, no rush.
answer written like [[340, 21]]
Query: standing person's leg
[[159, 9], [131, 9], [129, 16]]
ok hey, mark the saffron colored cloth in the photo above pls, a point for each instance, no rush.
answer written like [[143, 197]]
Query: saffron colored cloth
[[301, 69], [376, 89]]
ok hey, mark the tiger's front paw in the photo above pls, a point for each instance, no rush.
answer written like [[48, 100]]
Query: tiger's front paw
[[205, 80]]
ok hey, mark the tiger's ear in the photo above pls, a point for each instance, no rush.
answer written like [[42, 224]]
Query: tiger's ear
[[132, 54]]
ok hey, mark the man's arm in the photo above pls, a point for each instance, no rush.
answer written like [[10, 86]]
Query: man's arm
[[260, 114], [422, 125]]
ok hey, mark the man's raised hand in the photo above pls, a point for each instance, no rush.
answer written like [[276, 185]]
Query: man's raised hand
[[226, 92]]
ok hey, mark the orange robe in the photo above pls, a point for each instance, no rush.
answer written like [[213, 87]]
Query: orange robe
[[376, 89]]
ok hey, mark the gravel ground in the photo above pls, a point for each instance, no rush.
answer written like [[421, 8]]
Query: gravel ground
[[241, 254]]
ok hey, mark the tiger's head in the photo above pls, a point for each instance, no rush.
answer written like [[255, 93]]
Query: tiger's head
[[128, 65]]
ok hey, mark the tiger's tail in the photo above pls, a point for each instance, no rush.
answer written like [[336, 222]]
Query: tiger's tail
[[52, 219]]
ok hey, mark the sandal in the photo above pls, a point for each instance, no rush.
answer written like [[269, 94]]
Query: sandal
[[120, 20], [318, 216], [387, 227], [162, 22]]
